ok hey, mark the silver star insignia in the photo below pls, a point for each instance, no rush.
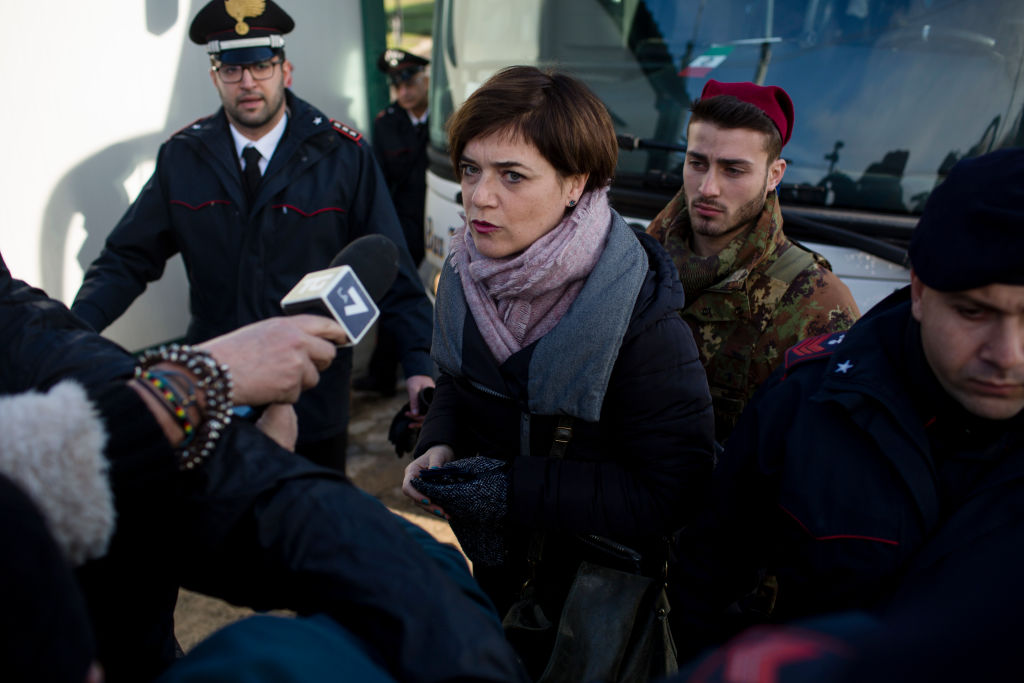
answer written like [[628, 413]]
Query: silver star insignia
[[837, 340], [844, 367], [317, 120]]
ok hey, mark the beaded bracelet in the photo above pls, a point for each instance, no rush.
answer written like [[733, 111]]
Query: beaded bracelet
[[166, 385], [157, 384], [214, 380]]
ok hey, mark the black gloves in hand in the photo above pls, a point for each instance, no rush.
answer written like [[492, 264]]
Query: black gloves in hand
[[402, 433], [474, 493]]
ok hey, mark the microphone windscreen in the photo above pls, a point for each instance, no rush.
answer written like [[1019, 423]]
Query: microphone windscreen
[[374, 259]]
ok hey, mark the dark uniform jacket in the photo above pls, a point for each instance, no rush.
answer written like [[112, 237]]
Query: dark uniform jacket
[[320, 191], [624, 365], [401, 151], [840, 470], [253, 526]]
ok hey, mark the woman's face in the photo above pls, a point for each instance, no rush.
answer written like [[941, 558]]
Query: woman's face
[[511, 194]]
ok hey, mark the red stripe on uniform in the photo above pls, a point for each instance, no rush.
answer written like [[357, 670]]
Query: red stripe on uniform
[[204, 204], [833, 537], [303, 213]]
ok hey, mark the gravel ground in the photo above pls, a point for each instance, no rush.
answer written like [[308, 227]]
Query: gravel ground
[[372, 465]]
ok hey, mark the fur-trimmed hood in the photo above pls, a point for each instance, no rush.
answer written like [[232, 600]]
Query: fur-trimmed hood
[[51, 445]]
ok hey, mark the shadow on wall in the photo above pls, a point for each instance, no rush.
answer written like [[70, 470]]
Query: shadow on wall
[[95, 188]]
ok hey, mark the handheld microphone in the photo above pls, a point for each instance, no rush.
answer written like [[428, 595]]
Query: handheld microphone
[[349, 289]]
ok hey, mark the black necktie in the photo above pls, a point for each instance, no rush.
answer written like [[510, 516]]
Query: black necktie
[[251, 173]]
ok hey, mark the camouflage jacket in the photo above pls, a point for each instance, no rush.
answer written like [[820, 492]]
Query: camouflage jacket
[[759, 305]]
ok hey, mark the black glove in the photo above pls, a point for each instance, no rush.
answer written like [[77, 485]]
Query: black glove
[[474, 493], [402, 433]]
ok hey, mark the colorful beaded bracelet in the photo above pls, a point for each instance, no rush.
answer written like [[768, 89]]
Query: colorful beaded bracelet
[[214, 380], [169, 398], [166, 385]]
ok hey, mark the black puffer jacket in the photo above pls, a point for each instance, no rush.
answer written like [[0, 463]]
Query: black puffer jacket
[[255, 526], [639, 460]]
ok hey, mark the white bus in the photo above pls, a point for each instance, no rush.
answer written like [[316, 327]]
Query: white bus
[[888, 95]]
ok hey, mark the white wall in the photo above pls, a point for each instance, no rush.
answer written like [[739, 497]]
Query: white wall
[[92, 91]]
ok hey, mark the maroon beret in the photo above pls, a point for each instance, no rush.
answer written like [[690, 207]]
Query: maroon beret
[[770, 99]]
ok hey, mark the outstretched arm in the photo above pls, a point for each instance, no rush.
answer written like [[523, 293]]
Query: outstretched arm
[[135, 254]]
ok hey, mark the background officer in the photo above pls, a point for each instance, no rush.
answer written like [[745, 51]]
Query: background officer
[[400, 138], [254, 197], [751, 293]]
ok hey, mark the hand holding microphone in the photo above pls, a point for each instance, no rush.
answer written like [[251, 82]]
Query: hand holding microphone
[[274, 360]]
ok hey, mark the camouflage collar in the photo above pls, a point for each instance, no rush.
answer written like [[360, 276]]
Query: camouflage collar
[[735, 262]]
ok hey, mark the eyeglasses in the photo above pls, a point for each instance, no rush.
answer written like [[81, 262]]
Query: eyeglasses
[[232, 73], [404, 75]]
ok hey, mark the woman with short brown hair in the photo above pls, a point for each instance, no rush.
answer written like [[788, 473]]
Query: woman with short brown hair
[[571, 401]]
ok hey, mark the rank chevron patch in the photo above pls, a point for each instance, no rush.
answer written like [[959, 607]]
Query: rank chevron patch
[[812, 348]]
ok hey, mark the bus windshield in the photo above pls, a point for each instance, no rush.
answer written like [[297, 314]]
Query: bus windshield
[[888, 94]]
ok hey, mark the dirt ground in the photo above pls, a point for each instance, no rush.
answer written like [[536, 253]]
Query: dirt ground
[[372, 465]]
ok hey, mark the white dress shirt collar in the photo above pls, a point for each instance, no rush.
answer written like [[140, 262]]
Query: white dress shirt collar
[[419, 119], [265, 145]]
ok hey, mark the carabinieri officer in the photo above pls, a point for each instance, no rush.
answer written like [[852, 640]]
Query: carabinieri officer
[[253, 197]]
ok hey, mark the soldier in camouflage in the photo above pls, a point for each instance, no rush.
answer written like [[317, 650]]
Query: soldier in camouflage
[[751, 293]]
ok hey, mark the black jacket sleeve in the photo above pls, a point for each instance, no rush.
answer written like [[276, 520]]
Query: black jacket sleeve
[[405, 310], [441, 425], [135, 254], [256, 525], [717, 559]]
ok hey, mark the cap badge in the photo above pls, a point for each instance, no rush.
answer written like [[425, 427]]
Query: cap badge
[[240, 10]]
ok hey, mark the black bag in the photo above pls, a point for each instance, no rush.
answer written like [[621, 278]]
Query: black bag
[[613, 625]]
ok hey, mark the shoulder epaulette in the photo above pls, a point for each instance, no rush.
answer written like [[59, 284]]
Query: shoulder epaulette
[[813, 348], [350, 133], [791, 263], [198, 123]]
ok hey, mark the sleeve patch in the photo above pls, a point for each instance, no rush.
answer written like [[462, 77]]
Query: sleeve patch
[[813, 348], [351, 133]]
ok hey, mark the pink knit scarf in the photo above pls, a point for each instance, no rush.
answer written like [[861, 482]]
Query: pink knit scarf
[[516, 300]]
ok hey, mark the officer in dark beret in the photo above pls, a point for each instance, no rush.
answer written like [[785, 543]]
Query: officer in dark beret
[[400, 135], [880, 454], [255, 196]]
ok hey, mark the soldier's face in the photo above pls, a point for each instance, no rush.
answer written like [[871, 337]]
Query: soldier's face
[[974, 343], [726, 178], [254, 107]]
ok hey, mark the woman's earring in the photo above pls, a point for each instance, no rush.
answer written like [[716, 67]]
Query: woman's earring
[[572, 203]]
